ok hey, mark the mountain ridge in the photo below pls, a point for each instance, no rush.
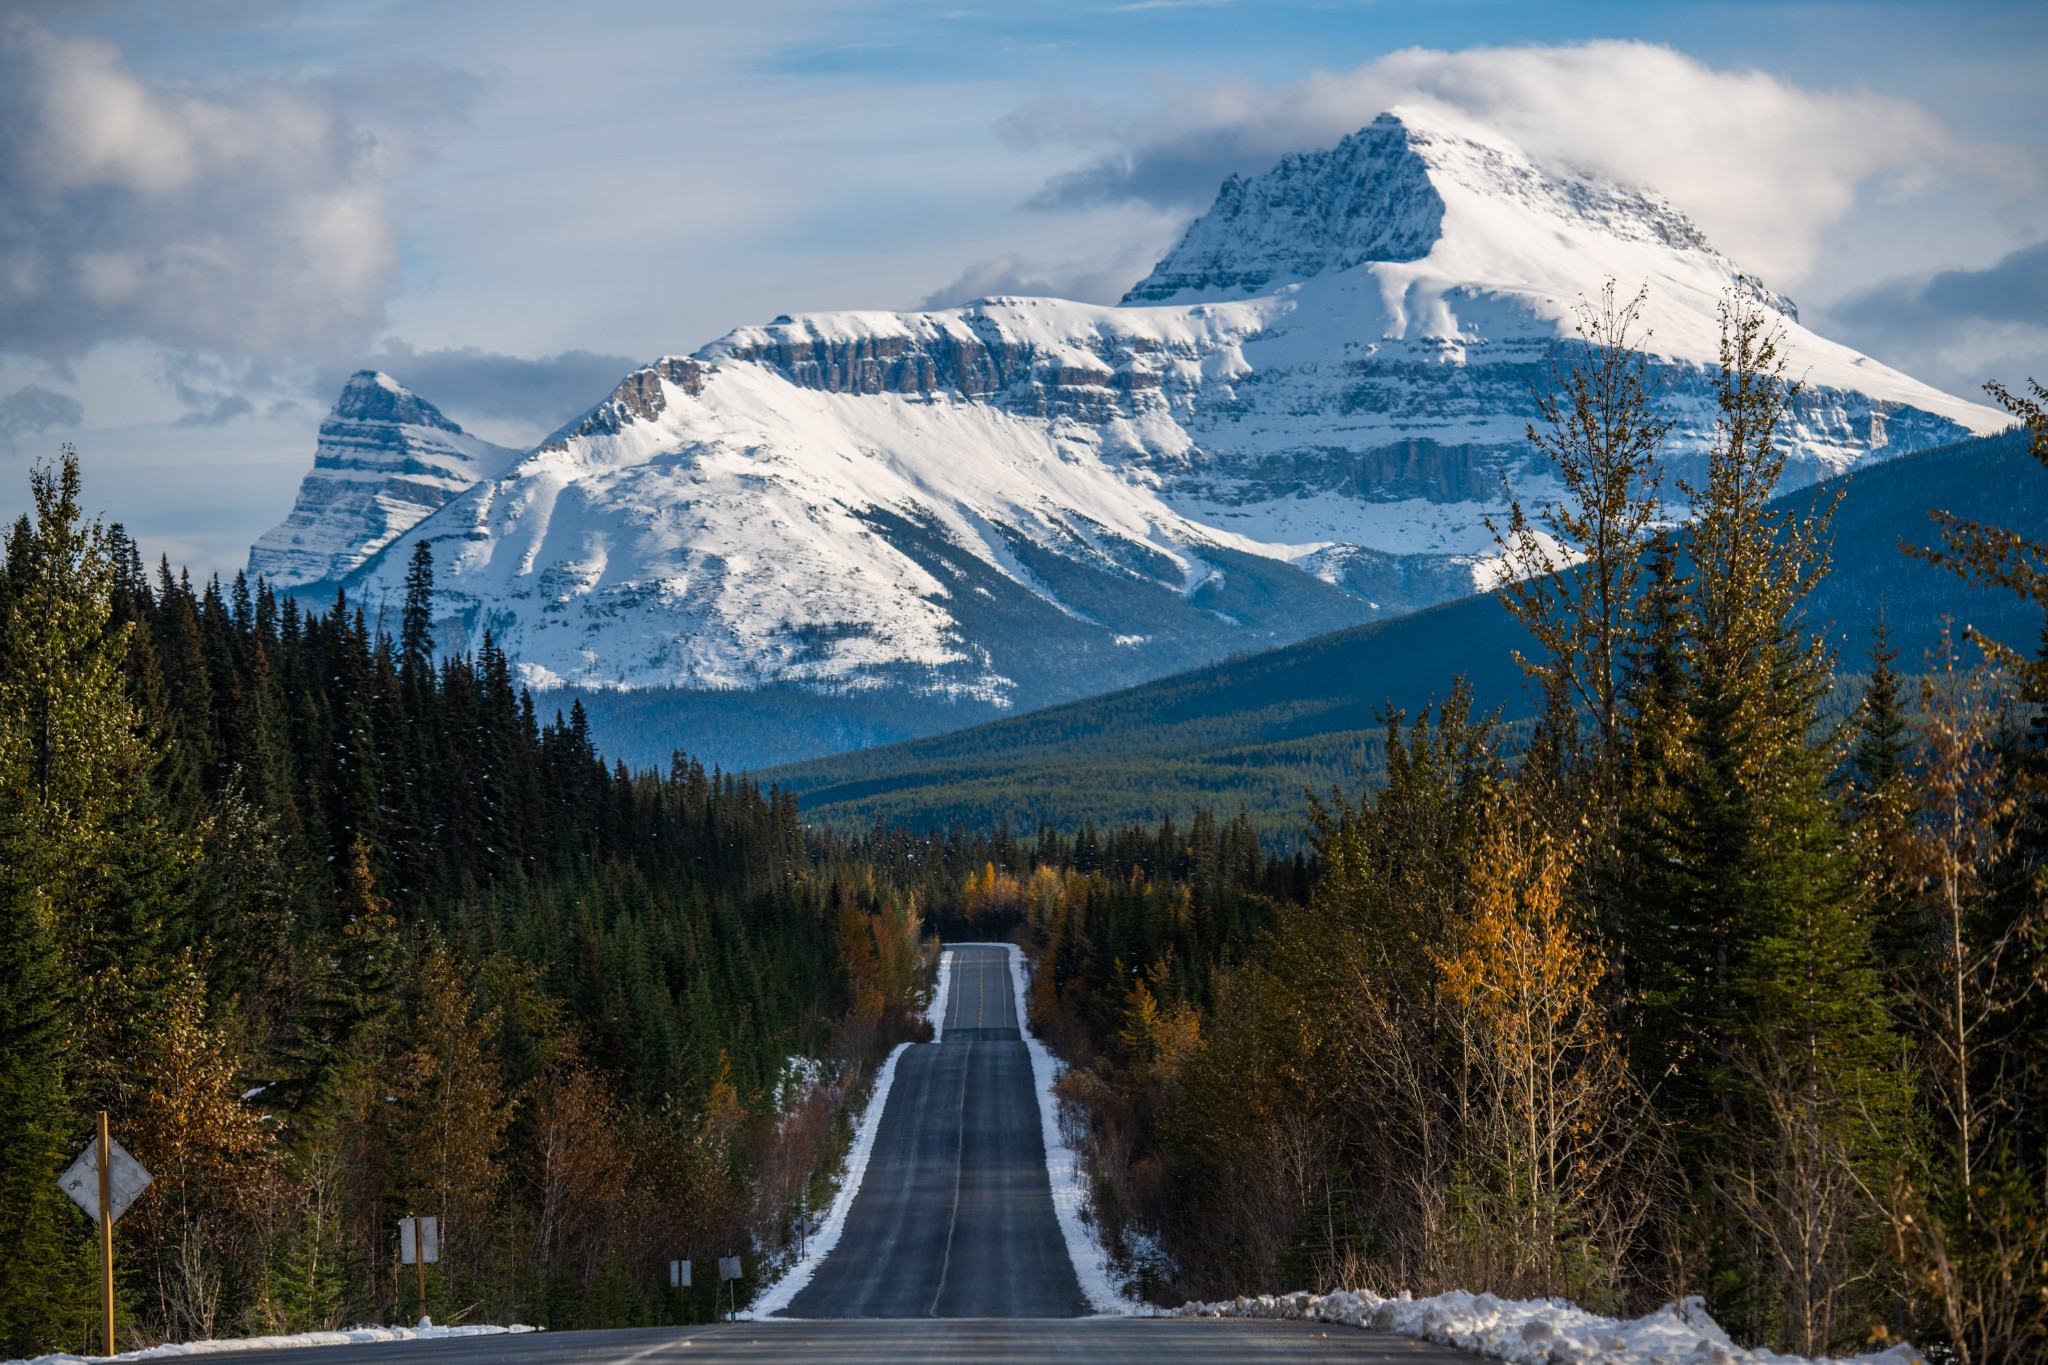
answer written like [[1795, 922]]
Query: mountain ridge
[[1024, 500], [1263, 730]]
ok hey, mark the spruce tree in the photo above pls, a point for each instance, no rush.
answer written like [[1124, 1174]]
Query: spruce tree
[[1785, 1078], [1881, 796], [416, 628], [38, 1232]]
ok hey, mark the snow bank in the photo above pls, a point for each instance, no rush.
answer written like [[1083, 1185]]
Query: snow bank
[[353, 1336], [1531, 1332], [777, 1296], [1063, 1170], [935, 1014]]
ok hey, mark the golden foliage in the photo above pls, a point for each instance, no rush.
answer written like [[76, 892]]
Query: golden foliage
[[1550, 1092]]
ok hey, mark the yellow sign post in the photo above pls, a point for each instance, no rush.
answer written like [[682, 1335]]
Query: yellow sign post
[[106, 1235], [103, 1182]]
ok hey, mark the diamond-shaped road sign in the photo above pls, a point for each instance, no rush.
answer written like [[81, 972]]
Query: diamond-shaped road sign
[[126, 1180]]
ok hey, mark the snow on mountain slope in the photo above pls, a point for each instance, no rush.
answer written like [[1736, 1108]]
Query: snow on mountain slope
[[386, 458], [1298, 421], [715, 525]]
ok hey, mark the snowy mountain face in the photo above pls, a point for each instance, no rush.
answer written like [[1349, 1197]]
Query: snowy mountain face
[[387, 458], [1298, 421]]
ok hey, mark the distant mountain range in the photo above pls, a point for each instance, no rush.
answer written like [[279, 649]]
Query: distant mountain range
[[840, 528], [1261, 731]]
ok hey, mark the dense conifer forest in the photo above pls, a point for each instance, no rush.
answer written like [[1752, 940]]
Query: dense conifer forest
[[337, 931]]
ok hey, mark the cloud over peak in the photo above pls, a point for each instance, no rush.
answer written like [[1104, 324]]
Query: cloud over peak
[[1764, 165]]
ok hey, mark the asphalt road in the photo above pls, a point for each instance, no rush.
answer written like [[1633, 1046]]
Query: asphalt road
[[954, 1217]]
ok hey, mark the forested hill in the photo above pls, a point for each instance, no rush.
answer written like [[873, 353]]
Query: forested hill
[[1260, 730]]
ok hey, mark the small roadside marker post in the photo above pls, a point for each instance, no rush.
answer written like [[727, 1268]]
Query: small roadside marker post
[[729, 1271], [419, 1241], [103, 1182]]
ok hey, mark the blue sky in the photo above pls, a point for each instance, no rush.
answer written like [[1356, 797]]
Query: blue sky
[[213, 211]]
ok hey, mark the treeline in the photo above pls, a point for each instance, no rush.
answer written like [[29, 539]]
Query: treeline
[[1703, 994], [337, 930]]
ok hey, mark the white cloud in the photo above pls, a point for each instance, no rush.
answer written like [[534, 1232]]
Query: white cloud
[[253, 223], [1958, 328], [1764, 165], [1011, 274]]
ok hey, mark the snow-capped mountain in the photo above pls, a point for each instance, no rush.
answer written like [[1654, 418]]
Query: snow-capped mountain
[[1298, 421], [386, 459]]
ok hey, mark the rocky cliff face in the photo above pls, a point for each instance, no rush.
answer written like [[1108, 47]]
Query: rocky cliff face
[[1369, 198], [1299, 420], [387, 458]]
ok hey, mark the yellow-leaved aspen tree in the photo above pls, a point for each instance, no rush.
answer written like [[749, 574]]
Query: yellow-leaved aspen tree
[[1556, 1105]]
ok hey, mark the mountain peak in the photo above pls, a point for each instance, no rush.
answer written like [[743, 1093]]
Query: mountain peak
[[373, 396], [1395, 191], [386, 459], [1369, 198], [1012, 502]]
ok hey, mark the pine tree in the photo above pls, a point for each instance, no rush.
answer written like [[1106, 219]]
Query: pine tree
[[416, 630], [1881, 797]]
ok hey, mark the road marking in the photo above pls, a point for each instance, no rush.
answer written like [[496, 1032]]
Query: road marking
[[959, 1152]]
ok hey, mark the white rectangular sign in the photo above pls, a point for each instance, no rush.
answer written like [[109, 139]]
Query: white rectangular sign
[[82, 1180], [430, 1233], [728, 1267], [679, 1275]]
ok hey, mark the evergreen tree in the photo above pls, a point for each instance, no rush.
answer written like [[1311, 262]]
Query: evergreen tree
[[1881, 797], [38, 1238], [1783, 1069], [416, 630], [1639, 876], [91, 869]]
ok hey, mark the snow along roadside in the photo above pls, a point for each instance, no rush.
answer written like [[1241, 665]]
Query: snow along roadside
[[352, 1336], [1532, 1332], [936, 1014], [777, 1296], [1070, 1200]]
